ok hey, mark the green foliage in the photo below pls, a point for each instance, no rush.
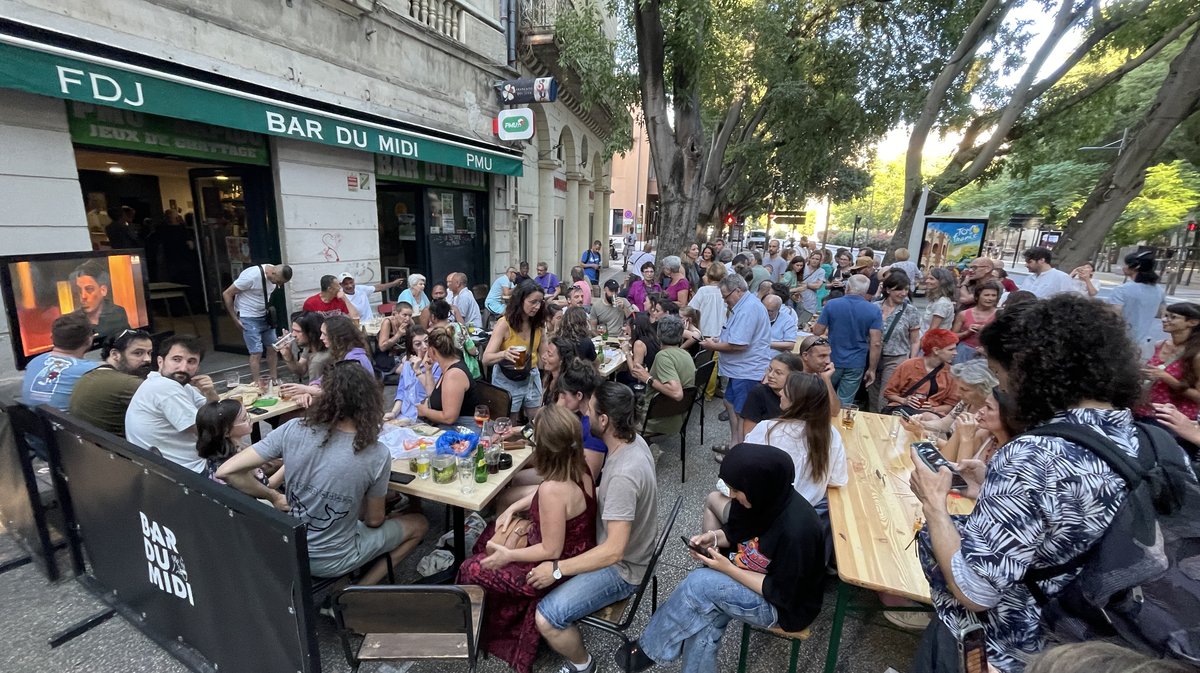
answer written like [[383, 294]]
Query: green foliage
[[1171, 192], [585, 51], [876, 240], [881, 202]]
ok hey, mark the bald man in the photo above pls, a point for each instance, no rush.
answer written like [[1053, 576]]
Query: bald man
[[783, 323], [979, 270]]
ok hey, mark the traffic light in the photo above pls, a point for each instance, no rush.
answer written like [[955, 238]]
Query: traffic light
[[1192, 225], [729, 219]]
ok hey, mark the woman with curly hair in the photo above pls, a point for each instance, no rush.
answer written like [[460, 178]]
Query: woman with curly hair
[[557, 354], [1041, 499], [337, 476], [310, 358], [1173, 370], [576, 328]]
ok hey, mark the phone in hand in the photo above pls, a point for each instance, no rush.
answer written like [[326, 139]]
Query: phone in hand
[[702, 551], [972, 650], [935, 461]]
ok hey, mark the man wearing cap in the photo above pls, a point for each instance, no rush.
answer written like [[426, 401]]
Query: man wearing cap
[[865, 266], [463, 300], [360, 296]]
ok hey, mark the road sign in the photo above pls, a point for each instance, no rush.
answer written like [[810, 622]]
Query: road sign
[[514, 124], [629, 214], [527, 90]]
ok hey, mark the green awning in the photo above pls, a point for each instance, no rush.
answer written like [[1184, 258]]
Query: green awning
[[52, 71]]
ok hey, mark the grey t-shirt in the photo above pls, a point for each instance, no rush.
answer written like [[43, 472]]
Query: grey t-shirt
[[326, 485], [629, 492]]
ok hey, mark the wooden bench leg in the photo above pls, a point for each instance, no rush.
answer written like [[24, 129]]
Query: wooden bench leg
[[835, 633], [745, 648]]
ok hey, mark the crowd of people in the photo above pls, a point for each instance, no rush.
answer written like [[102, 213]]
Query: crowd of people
[[797, 334]]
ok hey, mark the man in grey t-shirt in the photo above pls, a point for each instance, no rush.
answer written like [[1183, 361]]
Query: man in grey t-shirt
[[627, 507]]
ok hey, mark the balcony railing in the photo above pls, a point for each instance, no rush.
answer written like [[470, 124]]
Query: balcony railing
[[540, 15], [440, 16]]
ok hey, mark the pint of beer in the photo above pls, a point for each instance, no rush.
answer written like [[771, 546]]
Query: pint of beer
[[522, 353]]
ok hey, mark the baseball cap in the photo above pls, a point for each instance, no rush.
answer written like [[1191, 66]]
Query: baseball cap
[[344, 275], [863, 262], [612, 285]]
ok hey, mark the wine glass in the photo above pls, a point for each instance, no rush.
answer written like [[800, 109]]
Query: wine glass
[[482, 415], [502, 425]]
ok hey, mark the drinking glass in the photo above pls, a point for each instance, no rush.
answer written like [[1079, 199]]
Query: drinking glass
[[896, 424], [466, 475], [232, 380], [264, 384], [423, 464], [482, 415], [848, 413], [502, 426]]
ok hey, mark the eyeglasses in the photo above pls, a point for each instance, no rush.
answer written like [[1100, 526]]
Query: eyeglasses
[[819, 341]]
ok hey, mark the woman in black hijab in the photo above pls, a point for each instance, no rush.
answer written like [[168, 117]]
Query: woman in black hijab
[[764, 567]]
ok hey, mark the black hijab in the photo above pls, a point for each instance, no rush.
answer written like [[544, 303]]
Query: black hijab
[[765, 474]]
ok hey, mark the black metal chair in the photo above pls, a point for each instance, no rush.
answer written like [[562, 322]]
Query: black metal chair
[[410, 622], [497, 399], [664, 407], [704, 374], [625, 610]]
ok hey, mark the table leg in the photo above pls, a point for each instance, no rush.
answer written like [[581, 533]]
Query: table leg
[[459, 521], [835, 633]]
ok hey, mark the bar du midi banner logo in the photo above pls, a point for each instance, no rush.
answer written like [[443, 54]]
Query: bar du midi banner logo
[[163, 560]]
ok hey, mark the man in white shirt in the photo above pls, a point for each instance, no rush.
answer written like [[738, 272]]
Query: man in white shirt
[[465, 306], [162, 413], [630, 242], [246, 301], [1046, 280], [360, 295]]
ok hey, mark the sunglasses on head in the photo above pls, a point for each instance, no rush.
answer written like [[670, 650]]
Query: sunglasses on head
[[819, 341]]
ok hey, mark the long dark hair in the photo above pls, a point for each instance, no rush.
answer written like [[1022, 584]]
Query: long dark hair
[[1144, 263], [348, 392], [809, 405], [343, 336], [1191, 347], [574, 325], [514, 313], [213, 423], [310, 324], [640, 329]]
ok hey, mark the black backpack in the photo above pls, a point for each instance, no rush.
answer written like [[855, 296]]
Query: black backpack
[[1140, 581]]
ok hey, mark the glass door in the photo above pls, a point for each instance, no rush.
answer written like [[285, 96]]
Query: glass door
[[236, 228]]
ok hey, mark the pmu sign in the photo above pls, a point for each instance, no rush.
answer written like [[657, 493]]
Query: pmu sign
[[514, 124], [526, 90]]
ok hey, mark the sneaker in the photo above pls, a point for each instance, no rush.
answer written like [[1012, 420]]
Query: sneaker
[[569, 667], [630, 657], [723, 416], [909, 621]]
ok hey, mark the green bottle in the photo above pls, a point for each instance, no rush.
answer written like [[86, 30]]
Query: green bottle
[[481, 473]]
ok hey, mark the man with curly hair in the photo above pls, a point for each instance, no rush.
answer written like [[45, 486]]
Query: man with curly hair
[[1040, 501]]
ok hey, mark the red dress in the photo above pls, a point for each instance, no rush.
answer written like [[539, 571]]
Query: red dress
[[1161, 393], [509, 631]]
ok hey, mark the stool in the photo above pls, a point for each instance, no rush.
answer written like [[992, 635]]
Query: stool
[[795, 636], [167, 295]]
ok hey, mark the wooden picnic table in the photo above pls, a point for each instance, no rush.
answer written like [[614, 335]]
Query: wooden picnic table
[[875, 517], [280, 408]]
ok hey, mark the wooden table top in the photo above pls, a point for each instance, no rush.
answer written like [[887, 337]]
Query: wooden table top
[[874, 515], [280, 407], [614, 360], [450, 494]]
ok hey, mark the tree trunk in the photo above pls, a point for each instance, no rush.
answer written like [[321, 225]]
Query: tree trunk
[[1178, 98]]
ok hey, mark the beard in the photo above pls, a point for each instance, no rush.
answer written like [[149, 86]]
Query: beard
[[182, 377], [143, 371]]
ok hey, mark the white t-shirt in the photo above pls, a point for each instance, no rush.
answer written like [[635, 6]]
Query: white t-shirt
[[790, 437], [251, 302], [467, 307], [162, 414], [1049, 283], [362, 301]]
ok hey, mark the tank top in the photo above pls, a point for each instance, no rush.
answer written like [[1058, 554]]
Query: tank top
[[514, 338], [470, 399]]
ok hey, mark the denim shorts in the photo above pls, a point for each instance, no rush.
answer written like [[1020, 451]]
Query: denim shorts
[[256, 332], [527, 393], [736, 393], [369, 543], [582, 595]]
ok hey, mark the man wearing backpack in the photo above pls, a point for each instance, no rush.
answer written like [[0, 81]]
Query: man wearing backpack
[[1042, 501]]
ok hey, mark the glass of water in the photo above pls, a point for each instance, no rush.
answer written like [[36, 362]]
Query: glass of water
[[232, 380], [466, 475]]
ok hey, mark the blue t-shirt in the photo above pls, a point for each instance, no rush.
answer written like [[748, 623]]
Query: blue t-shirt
[[748, 325], [590, 257], [418, 303], [50, 378], [850, 320], [590, 442], [493, 302]]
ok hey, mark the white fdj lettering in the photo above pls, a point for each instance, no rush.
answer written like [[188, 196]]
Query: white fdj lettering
[[103, 87]]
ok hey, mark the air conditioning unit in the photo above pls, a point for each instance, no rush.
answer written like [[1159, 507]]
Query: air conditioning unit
[[354, 8]]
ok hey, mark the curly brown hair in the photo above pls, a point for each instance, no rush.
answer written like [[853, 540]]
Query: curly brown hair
[[1059, 351], [348, 392], [344, 336]]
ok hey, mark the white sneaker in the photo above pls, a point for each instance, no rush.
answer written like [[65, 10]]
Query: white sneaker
[[909, 621]]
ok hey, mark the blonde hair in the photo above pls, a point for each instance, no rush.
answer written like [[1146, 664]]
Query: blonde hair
[[558, 445], [715, 273], [902, 254]]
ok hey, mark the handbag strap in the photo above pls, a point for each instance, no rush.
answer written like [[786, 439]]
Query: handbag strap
[[895, 319], [262, 273], [928, 377]]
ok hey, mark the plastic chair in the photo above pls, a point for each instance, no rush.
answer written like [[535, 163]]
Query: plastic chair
[[410, 622], [497, 399], [664, 407], [605, 618], [704, 373]]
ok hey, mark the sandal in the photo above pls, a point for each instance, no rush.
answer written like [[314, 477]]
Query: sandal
[[719, 448]]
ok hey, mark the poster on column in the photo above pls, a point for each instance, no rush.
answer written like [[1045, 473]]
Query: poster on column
[[468, 212]]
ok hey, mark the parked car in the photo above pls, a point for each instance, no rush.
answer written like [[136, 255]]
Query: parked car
[[756, 239]]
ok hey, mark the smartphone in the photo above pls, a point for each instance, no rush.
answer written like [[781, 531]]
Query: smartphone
[[935, 461], [902, 413], [256, 411], [972, 650], [703, 551], [401, 477]]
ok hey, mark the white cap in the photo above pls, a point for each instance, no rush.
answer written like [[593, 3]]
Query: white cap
[[344, 275]]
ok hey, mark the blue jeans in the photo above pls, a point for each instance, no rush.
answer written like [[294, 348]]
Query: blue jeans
[[846, 381], [582, 595], [694, 618]]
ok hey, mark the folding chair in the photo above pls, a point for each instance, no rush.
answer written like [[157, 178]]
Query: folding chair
[[625, 610], [704, 373], [497, 399], [410, 622], [664, 407]]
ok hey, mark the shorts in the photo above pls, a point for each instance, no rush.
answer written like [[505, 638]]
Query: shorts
[[256, 332], [527, 393], [369, 544], [582, 595], [736, 393]]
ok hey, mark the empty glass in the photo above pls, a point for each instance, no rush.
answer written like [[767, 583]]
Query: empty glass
[[466, 475], [502, 425], [232, 380]]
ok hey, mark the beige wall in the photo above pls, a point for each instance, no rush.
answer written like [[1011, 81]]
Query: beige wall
[[630, 174]]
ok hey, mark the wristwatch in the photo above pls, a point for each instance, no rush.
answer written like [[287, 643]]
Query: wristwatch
[[649, 380], [557, 574]]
